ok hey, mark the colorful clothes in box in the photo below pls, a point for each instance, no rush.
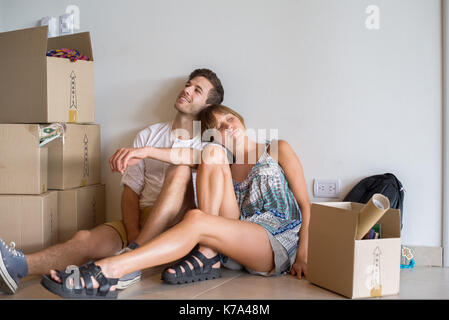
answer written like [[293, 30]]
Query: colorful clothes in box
[[71, 54]]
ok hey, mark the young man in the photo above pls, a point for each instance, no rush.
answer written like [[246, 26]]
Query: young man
[[155, 196]]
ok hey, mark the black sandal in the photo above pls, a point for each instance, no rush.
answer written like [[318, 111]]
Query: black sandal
[[77, 292], [198, 273]]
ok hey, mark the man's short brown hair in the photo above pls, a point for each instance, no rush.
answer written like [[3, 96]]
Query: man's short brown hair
[[216, 94]]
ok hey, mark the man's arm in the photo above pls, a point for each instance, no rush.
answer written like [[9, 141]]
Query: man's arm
[[130, 213], [127, 157]]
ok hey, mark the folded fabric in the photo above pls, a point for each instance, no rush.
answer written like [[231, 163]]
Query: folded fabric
[[71, 54]]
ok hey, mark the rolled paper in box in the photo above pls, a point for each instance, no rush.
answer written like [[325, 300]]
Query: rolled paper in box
[[371, 213]]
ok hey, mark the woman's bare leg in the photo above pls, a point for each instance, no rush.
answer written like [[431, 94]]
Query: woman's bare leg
[[246, 242], [215, 190], [215, 193]]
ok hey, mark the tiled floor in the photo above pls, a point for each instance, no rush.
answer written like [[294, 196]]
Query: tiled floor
[[417, 283]]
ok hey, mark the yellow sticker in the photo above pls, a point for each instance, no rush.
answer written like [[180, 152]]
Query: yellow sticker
[[72, 115], [376, 291], [83, 182]]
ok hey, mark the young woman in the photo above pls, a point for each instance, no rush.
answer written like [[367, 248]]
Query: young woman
[[253, 212]]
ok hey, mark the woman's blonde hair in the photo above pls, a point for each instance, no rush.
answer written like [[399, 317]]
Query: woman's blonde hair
[[208, 120]]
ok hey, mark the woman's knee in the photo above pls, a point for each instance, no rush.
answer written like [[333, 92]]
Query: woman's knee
[[179, 173], [214, 160], [194, 216], [214, 155]]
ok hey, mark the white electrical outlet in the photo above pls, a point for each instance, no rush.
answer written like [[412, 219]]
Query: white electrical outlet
[[326, 188]]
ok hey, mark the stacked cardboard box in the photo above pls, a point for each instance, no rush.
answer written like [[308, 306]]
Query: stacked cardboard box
[[49, 188]]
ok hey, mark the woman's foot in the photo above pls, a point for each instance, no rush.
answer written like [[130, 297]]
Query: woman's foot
[[201, 264], [207, 252]]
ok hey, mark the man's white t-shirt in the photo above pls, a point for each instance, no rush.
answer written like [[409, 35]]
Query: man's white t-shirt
[[146, 177]]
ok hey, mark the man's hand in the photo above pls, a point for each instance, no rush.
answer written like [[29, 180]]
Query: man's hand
[[125, 157]]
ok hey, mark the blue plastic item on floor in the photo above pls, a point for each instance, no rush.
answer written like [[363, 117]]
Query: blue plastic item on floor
[[408, 266]]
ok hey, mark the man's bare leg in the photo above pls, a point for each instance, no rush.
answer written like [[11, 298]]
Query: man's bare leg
[[174, 200], [102, 241]]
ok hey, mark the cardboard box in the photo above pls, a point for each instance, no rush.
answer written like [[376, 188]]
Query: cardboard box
[[80, 209], [29, 220], [74, 159], [353, 268], [35, 88], [23, 165]]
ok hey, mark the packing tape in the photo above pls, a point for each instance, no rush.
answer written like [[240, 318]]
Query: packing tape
[[371, 213]]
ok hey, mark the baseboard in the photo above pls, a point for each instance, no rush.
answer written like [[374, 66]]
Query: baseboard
[[427, 256]]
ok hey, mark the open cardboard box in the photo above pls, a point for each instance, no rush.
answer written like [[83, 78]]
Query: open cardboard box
[[353, 268], [80, 209], [30, 221], [35, 88]]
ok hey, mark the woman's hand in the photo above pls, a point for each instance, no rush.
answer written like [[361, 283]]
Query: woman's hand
[[299, 268], [125, 157]]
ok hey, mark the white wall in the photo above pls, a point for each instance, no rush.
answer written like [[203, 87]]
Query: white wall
[[445, 240], [352, 102], [1, 13]]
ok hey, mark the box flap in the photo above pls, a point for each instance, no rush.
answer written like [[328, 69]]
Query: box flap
[[391, 224], [24, 44], [78, 41], [23, 76], [331, 246]]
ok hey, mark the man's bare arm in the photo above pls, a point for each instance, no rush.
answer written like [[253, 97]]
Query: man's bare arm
[[125, 157]]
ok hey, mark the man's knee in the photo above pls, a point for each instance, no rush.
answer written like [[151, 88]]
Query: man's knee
[[82, 236], [81, 240]]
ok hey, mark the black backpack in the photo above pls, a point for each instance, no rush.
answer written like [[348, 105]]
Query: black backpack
[[386, 184]]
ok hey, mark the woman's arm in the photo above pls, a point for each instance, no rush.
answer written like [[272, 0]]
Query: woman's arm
[[125, 157], [292, 167]]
